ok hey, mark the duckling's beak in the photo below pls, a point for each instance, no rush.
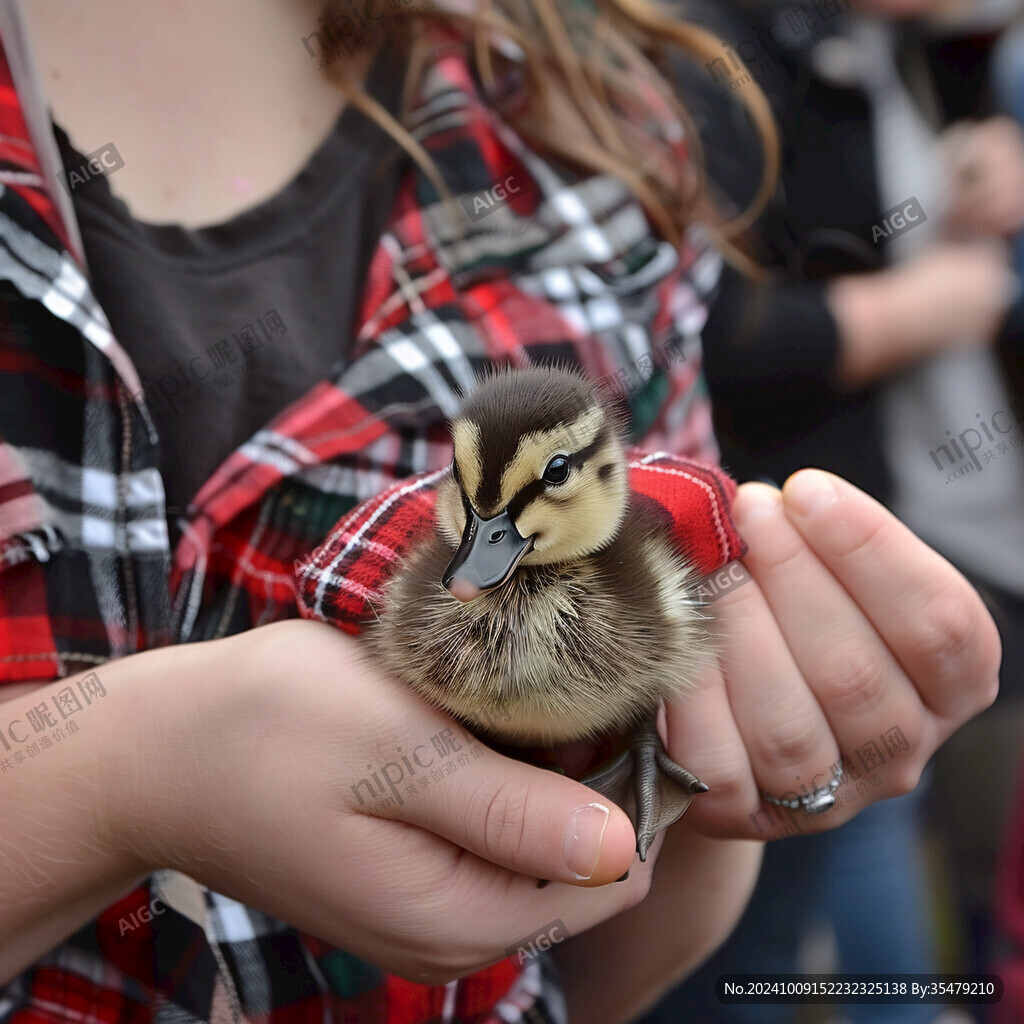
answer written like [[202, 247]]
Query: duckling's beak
[[488, 554]]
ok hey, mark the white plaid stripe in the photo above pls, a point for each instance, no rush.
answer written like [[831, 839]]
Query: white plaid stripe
[[83, 504], [231, 921], [55, 280], [273, 449], [26, 252]]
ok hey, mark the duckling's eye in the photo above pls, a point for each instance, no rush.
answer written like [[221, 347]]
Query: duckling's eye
[[557, 471]]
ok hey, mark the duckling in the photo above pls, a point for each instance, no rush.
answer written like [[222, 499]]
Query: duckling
[[550, 605]]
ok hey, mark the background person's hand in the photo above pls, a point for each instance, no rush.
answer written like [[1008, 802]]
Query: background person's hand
[[985, 166], [952, 295], [272, 788], [850, 627]]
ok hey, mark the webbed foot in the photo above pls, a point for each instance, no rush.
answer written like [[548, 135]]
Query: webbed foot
[[647, 784]]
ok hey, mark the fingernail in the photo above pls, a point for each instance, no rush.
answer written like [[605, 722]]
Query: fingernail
[[759, 502], [581, 840], [810, 493]]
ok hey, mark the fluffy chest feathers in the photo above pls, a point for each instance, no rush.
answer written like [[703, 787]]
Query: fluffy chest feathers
[[559, 652]]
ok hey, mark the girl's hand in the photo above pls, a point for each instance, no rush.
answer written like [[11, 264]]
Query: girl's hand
[[288, 776], [852, 640], [270, 779]]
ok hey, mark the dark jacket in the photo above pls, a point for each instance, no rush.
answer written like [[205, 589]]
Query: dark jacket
[[771, 351]]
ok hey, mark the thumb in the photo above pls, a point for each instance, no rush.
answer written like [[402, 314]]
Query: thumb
[[526, 819]]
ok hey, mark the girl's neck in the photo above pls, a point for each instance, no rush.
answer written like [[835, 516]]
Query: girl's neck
[[212, 107]]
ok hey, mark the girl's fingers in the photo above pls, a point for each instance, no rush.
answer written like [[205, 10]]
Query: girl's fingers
[[786, 735], [438, 878], [857, 682], [484, 837], [517, 816], [923, 610], [849, 631]]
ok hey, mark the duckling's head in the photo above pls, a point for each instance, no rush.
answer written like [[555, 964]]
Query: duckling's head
[[539, 476]]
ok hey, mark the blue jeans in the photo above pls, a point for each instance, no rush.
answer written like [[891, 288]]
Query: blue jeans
[[866, 879]]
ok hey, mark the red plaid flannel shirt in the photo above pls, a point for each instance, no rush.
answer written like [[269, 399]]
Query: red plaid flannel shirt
[[567, 270]]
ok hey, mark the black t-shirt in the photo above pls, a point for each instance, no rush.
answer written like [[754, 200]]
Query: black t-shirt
[[229, 324]]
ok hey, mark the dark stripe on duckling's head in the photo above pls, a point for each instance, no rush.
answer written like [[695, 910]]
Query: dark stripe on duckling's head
[[540, 445], [507, 407], [537, 487]]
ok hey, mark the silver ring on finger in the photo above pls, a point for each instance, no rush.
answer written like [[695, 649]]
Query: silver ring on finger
[[816, 802]]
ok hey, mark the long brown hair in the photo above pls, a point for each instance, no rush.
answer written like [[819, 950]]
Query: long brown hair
[[583, 64]]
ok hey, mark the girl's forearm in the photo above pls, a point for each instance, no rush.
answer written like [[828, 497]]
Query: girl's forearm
[[70, 750], [622, 967]]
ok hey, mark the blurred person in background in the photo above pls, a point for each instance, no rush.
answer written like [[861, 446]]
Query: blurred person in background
[[885, 344]]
